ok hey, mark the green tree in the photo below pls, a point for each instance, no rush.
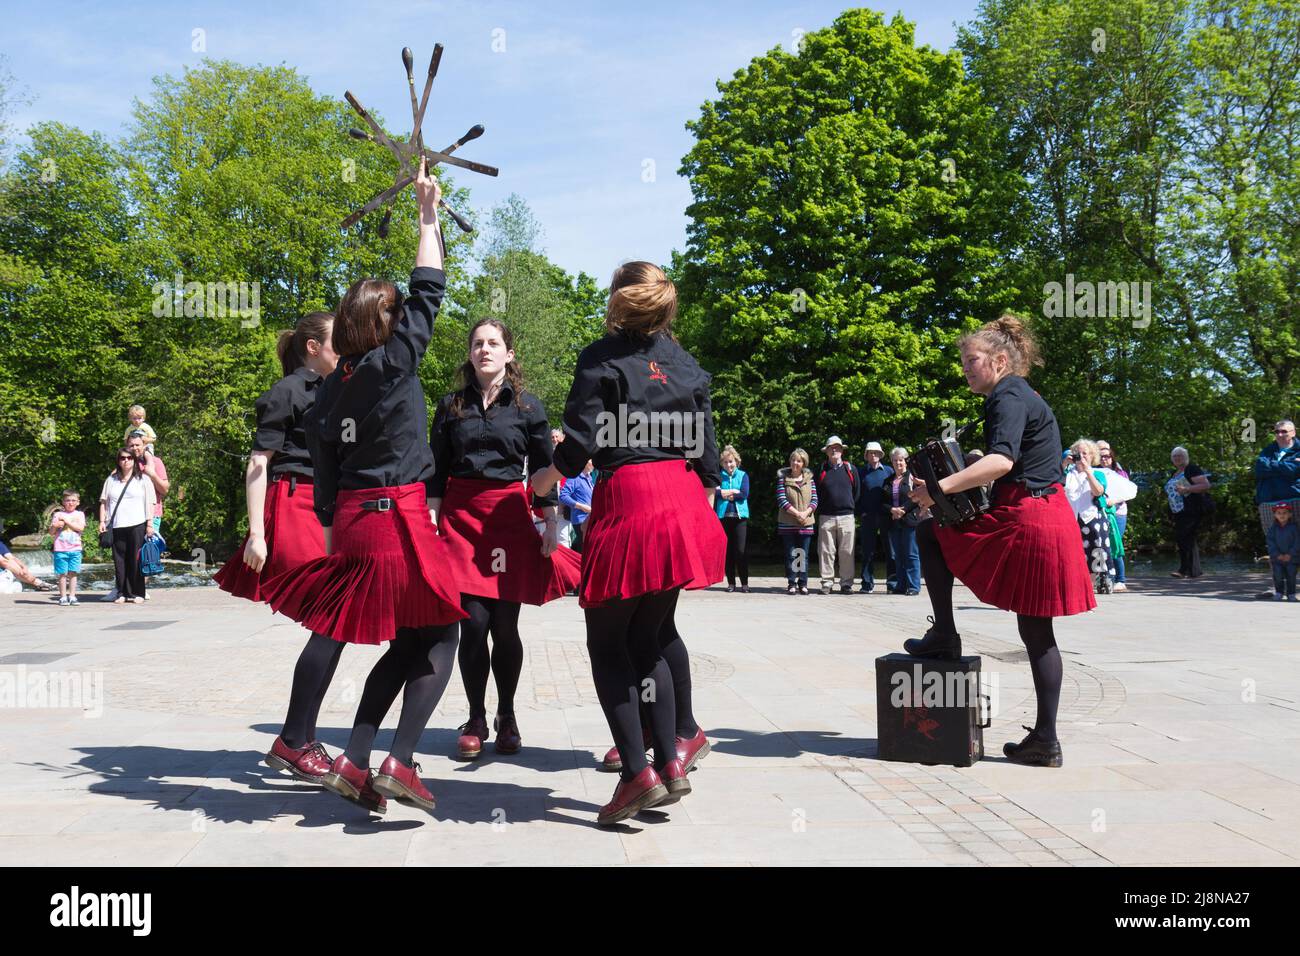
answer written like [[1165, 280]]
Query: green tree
[[853, 210], [551, 315]]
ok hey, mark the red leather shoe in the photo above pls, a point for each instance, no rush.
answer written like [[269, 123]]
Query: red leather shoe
[[397, 780], [472, 734], [673, 775], [632, 796], [352, 783], [508, 739], [613, 762], [310, 763], [689, 752]]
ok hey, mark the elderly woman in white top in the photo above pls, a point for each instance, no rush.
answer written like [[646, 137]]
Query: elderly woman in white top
[[126, 509], [1186, 491], [1083, 486]]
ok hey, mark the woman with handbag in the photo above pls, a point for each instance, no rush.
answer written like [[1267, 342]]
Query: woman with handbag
[[1189, 501], [126, 506], [902, 516]]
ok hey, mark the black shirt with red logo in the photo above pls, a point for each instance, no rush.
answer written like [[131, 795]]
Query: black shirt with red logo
[[490, 442], [281, 411], [369, 427], [638, 400], [1019, 425]]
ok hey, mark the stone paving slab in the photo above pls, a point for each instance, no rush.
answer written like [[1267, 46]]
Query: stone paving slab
[[1180, 720]]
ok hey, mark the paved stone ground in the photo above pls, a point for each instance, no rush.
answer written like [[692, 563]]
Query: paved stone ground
[[1180, 719]]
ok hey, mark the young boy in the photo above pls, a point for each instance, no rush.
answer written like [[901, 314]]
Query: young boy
[[1283, 551], [66, 527], [136, 414]]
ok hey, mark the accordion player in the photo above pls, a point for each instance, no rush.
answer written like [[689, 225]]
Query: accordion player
[[937, 459]]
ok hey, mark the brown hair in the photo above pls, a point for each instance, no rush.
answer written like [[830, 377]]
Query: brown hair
[[642, 300], [291, 346], [69, 493], [1007, 335], [465, 373], [366, 316]]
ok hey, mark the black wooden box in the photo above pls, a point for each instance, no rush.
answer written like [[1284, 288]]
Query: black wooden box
[[930, 711]]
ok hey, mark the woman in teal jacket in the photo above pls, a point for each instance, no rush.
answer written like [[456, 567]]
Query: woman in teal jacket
[[732, 505]]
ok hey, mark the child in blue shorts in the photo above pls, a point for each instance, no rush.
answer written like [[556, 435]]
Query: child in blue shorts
[[66, 527]]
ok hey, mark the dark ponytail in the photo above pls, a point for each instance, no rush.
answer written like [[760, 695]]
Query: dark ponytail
[[291, 346]]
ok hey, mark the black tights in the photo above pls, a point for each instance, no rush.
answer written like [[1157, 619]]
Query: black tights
[[419, 660], [1035, 632], [628, 668], [737, 531], [505, 660], [1045, 664], [938, 579], [673, 649], [311, 679]]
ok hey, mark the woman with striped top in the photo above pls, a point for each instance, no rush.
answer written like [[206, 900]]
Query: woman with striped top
[[796, 500]]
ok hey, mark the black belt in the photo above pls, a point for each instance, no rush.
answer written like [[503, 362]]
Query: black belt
[[377, 504], [294, 480], [1042, 492]]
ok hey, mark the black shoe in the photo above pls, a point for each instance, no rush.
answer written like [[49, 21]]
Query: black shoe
[[1034, 752], [943, 647], [744, 589], [791, 589], [867, 588], [846, 589], [731, 588], [911, 592], [803, 589]]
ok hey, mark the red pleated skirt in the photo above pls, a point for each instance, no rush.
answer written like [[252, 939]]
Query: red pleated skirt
[[651, 529], [1022, 555], [494, 548], [293, 537], [389, 570]]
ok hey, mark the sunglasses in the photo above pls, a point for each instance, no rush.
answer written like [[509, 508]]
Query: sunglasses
[[126, 458]]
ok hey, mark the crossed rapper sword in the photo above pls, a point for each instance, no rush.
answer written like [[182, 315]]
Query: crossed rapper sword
[[408, 154]]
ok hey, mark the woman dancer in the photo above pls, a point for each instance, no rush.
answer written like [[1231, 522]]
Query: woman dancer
[[384, 578], [284, 533], [482, 436], [652, 530], [1023, 554]]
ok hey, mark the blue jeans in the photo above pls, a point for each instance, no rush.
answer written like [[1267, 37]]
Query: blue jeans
[[907, 558], [871, 536], [1122, 521], [1284, 577], [797, 547]]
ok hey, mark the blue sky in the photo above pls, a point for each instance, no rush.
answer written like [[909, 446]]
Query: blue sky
[[581, 96]]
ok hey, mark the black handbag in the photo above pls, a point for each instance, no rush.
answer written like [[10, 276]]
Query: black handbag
[[106, 537]]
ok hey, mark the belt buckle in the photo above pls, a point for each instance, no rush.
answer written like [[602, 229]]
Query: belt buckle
[[383, 504]]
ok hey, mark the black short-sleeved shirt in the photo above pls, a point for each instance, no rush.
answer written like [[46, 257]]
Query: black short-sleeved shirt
[[637, 400], [490, 443], [369, 427], [281, 411], [1021, 426]]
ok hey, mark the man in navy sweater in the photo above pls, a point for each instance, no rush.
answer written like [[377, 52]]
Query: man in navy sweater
[[875, 477], [837, 499]]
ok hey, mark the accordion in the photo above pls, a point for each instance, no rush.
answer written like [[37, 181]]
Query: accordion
[[937, 459]]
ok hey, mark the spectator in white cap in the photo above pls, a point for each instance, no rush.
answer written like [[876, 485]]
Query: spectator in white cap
[[873, 535], [837, 499]]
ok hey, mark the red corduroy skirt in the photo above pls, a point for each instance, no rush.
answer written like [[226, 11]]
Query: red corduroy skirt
[[651, 529], [293, 537], [389, 570], [493, 547], [1022, 555]]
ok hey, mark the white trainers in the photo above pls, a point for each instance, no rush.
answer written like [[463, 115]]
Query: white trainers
[[64, 602], [1120, 587]]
